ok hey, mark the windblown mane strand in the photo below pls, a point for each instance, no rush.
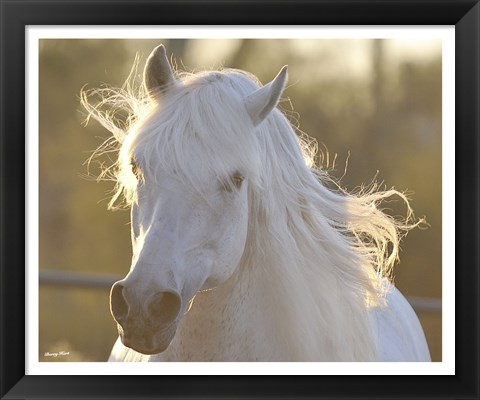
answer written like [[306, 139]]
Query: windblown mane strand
[[331, 246], [118, 110]]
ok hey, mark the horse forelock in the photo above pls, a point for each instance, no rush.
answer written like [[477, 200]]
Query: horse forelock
[[202, 126]]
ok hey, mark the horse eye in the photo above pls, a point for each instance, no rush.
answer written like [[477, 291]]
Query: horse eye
[[135, 169], [237, 180], [234, 182]]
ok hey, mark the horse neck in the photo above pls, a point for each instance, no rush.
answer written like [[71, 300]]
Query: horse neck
[[237, 321], [314, 315]]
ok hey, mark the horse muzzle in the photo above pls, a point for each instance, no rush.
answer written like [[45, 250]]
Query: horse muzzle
[[148, 326], [146, 341]]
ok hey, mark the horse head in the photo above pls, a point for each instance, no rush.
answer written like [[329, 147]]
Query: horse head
[[189, 216]]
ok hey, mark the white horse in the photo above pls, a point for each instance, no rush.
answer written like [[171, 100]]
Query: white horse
[[240, 251]]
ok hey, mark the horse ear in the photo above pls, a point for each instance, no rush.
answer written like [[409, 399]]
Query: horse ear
[[261, 102], [158, 75]]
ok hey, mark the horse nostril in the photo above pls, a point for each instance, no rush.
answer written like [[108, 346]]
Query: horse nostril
[[164, 307], [118, 304]]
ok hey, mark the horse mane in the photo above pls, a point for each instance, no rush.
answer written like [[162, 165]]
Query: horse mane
[[329, 249]]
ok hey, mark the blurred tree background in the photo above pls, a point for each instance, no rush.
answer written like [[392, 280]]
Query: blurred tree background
[[374, 107]]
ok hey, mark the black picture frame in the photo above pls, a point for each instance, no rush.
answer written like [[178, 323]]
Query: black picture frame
[[17, 14]]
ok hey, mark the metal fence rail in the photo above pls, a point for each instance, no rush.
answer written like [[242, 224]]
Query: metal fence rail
[[425, 304], [105, 281], [77, 279]]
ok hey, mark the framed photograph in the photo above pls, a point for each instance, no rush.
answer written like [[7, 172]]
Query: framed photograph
[[269, 282]]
